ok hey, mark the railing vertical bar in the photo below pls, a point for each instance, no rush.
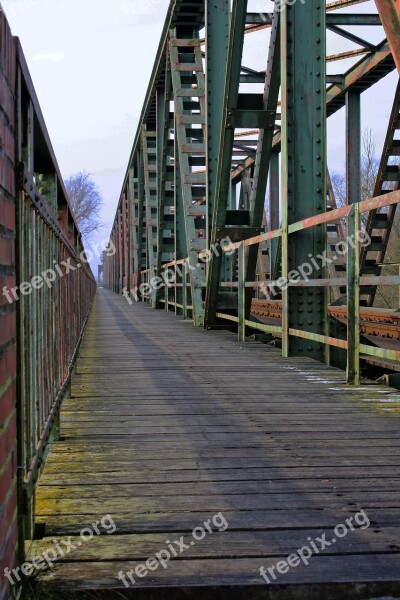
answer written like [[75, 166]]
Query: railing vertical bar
[[242, 293], [353, 297]]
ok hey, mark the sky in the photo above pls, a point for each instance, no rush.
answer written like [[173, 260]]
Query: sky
[[90, 62]]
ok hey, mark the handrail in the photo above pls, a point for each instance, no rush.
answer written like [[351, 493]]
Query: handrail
[[353, 282]]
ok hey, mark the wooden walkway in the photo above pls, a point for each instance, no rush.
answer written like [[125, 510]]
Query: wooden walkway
[[168, 426]]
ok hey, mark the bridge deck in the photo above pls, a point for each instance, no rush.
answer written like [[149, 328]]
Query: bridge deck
[[169, 425]]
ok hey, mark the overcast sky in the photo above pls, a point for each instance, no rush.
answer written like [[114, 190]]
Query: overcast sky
[[91, 60]]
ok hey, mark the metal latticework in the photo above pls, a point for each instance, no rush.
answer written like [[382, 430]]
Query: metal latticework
[[231, 153]]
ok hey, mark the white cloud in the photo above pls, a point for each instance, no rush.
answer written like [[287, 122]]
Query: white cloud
[[49, 56]]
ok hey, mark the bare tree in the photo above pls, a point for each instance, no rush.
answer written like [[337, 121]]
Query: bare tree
[[369, 166], [86, 202], [369, 171], [339, 188]]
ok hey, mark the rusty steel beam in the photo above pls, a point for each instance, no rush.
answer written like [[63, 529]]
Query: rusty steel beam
[[389, 11], [374, 322]]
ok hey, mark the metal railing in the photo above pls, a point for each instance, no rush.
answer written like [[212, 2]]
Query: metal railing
[[352, 281], [352, 345], [54, 295]]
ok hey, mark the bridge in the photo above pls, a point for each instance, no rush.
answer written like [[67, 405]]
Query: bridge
[[218, 415]]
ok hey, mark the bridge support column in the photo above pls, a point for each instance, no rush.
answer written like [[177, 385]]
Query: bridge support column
[[303, 78], [217, 31]]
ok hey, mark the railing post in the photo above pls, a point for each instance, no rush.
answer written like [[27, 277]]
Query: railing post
[[176, 291], [285, 290], [242, 293], [353, 297], [184, 293], [166, 294]]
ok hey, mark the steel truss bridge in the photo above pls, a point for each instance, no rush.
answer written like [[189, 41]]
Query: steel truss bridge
[[215, 132], [258, 405]]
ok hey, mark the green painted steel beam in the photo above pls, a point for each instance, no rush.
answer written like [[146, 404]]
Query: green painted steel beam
[[353, 146], [353, 298], [242, 293], [217, 13], [331, 19], [353, 19], [264, 146], [166, 219], [303, 72], [150, 167], [273, 210], [180, 228], [188, 82], [223, 179]]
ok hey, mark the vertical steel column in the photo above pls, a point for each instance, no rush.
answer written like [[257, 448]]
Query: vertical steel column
[[353, 297], [166, 227], [353, 193], [242, 293], [142, 231], [353, 146], [179, 216], [223, 176], [303, 76], [273, 216], [264, 147], [161, 132], [217, 31], [189, 81]]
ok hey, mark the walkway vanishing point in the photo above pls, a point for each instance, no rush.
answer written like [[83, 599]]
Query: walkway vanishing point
[[201, 424]]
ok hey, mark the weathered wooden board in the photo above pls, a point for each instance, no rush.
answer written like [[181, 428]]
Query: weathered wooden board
[[222, 543], [168, 425], [245, 520], [121, 476], [213, 488]]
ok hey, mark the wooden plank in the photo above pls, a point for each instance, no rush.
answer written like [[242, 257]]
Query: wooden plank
[[123, 547], [116, 505], [250, 520], [355, 571], [168, 425], [213, 488], [118, 476]]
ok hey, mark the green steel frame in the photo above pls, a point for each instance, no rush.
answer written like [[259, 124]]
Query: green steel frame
[[217, 138]]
